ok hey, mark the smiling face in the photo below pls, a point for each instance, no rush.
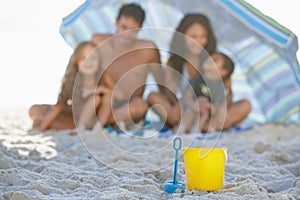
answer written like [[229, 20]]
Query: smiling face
[[128, 28], [88, 61], [196, 38]]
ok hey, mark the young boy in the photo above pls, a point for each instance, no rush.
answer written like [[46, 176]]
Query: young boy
[[208, 96]]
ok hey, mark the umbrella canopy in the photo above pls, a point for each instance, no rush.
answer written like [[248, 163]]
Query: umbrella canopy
[[267, 71]]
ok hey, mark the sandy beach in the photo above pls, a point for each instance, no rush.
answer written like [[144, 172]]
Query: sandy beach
[[263, 163]]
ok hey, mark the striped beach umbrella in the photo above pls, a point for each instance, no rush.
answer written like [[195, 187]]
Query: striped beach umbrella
[[267, 71]]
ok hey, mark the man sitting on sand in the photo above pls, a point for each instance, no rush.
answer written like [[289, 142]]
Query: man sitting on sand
[[128, 61]]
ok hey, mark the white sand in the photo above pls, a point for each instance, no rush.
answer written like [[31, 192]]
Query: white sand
[[263, 163]]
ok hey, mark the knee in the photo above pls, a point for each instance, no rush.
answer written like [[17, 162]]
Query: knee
[[152, 98], [175, 114], [247, 107], [226, 125], [33, 110], [173, 120], [232, 119], [139, 107]]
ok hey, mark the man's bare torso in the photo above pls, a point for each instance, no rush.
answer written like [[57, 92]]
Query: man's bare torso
[[128, 65]]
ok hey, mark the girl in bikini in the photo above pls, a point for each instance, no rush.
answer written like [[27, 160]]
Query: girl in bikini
[[83, 96]]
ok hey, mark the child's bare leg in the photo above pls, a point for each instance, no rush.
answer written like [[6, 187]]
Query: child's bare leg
[[64, 120], [200, 123], [236, 113], [39, 111], [104, 113], [188, 120], [87, 117]]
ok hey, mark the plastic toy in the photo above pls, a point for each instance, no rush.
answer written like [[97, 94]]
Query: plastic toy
[[172, 186]]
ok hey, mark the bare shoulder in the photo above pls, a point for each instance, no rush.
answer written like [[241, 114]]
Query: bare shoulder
[[227, 83], [149, 50], [98, 38], [146, 43]]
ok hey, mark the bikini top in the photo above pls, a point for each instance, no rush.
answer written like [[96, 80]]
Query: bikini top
[[212, 89]]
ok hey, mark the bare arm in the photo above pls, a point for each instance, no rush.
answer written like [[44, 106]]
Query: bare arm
[[188, 99], [155, 64], [108, 81], [229, 94], [107, 86], [218, 115], [98, 38], [171, 82], [219, 111]]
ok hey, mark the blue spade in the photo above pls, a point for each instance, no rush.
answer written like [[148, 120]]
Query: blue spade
[[172, 186]]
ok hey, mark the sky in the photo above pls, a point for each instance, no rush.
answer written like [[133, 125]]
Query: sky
[[34, 55]]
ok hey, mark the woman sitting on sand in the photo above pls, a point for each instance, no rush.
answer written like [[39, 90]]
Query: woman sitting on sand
[[192, 43], [80, 94], [214, 94]]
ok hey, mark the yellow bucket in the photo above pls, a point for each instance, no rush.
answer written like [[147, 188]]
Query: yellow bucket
[[204, 168]]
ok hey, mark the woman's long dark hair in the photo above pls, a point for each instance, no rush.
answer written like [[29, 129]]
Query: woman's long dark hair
[[72, 71], [178, 47]]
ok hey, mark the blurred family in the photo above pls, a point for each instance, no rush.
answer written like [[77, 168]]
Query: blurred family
[[106, 78], [123, 58]]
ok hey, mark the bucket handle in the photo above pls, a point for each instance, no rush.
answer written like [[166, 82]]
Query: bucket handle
[[225, 152]]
